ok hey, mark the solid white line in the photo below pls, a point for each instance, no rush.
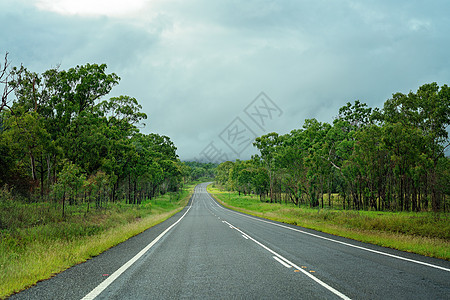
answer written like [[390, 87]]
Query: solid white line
[[245, 237], [102, 286], [282, 262], [339, 242]]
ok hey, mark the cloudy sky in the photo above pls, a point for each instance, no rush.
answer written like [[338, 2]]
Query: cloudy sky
[[213, 74]]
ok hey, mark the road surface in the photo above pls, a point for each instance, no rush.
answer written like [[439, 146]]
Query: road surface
[[209, 252]]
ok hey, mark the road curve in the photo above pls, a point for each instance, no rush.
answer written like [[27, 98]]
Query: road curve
[[208, 251]]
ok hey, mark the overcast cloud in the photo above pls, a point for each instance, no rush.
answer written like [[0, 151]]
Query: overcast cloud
[[196, 65]]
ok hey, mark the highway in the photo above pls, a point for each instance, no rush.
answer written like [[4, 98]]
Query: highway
[[210, 252]]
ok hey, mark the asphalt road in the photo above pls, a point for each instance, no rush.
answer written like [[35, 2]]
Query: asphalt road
[[207, 251]]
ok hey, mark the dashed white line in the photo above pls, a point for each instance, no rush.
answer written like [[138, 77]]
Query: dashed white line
[[282, 262], [339, 242], [285, 262]]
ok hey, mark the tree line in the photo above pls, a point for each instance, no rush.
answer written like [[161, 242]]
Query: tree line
[[199, 171], [61, 140], [391, 158]]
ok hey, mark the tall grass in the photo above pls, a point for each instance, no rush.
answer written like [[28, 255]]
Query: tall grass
[[425, 233], [39, 243]]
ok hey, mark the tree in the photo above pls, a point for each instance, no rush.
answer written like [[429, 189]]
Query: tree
[[70, 180], [260, 178], [64, 101], [290, 159], [390, 158], [267, 146], [26, 132], [124, 111], [223, 174], [427, 113], [5, 75]]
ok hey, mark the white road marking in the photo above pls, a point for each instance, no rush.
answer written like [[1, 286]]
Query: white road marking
[[282, 262], [336, 241], [102, 286], [285, 261]]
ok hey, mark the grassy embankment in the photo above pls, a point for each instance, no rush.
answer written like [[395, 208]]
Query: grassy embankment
[[424, 233], [48, 244]]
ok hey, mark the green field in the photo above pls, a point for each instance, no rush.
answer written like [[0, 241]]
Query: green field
[[424, 233], [45, 244]]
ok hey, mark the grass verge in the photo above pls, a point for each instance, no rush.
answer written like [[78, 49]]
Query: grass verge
[[32, 254], [422, 233]]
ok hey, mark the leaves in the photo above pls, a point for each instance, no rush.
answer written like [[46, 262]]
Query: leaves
[[390, 158], [79, 146]]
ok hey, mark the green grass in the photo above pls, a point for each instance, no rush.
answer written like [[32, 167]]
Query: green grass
[[424, 233], [48, 244]]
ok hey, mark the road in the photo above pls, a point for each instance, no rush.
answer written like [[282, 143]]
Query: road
[[207, 251]]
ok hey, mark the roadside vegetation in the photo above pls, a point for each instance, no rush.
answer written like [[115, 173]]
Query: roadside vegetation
[[62, 141], [41, 243], [77, 174], [424, 233], [377, 175], [388, 159]]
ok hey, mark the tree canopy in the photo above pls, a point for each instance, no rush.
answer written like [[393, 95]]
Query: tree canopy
[[391, 158], [62, 140]]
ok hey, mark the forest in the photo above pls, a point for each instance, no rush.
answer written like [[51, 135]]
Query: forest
[[63, 142], [386, 159]]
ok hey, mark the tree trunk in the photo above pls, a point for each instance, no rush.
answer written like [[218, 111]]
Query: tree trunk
[[64, 204], [33, 166], [42, 177]]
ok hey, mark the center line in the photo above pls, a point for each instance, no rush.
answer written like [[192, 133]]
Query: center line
[[334, 241], [282, 262], [285, 261]]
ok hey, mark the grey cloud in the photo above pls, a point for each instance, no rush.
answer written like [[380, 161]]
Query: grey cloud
[[44, 39]]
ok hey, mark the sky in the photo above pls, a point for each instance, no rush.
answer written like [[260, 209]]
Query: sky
[[213, 75]]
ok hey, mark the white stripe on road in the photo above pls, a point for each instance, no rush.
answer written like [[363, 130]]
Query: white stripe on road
[[102, 286], [336, 241], [284, 261]]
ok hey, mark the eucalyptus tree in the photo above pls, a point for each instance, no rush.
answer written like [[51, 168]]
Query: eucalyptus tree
[[59, 99], [426, 113], [159, 153], [223, 174], [70, 180], [314, 137], [260, 177], [389, 158], [5, 78], [268, 145], [290, 160], [26, 136], [340, 143], [234, 173]]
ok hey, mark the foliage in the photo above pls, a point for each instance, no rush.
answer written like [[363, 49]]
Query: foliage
[[24, 247], [62, 142], [374, 159], [194, 171]]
